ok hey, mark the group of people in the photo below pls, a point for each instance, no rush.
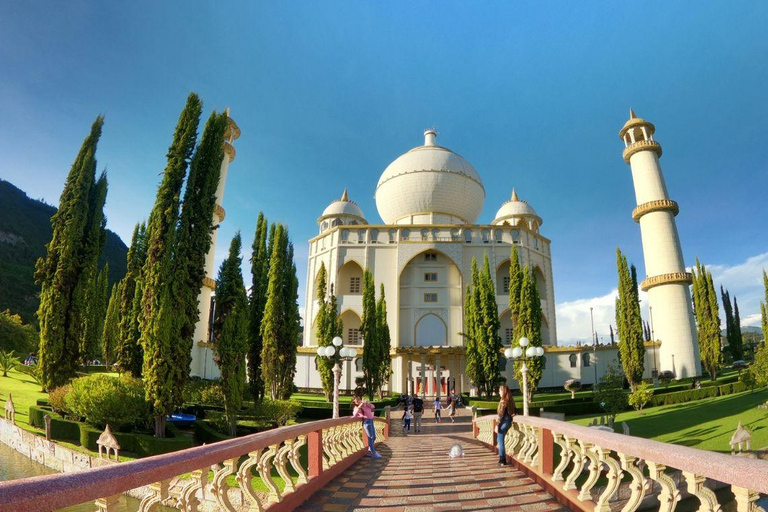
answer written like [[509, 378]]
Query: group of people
[[414, 409]]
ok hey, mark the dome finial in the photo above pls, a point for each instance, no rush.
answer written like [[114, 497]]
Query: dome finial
[[514, 195], [632, 114], [429, 136], [344, 195]]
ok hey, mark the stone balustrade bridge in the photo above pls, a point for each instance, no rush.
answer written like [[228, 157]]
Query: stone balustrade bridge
[[321, 466]]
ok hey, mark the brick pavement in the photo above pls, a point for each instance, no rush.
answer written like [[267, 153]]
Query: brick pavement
[[415, 474]]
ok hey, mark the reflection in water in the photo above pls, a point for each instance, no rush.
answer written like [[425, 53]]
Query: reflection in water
[[14, 465]]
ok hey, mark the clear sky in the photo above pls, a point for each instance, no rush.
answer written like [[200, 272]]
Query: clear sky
[[328, 94]]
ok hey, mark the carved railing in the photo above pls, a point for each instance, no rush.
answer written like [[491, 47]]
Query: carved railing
[[641, 145], [209, 472], [647, 467]]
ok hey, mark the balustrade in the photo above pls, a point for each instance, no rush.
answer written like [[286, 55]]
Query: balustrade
[[623, 472], [328, 446]]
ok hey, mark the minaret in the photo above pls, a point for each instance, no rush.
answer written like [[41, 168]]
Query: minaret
[[667, 281], [202, 353]]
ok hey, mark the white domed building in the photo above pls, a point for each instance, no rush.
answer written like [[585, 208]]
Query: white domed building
[[430, 200]]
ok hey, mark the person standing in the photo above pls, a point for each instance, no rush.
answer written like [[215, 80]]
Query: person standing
[[505, 412], [407, 415], [418, 410], [364, 410], [452, 407], [437, 406]]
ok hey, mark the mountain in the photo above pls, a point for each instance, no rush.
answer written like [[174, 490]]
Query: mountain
[[746, 330], [25, 228]]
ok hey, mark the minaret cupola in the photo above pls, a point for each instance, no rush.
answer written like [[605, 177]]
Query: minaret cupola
[[341, 212], [515, 211], [637, 134]]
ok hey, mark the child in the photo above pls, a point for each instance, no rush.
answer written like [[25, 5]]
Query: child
[[407, 415], [437, 405]]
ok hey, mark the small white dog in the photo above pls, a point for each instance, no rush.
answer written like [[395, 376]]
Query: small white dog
[[456, 451]]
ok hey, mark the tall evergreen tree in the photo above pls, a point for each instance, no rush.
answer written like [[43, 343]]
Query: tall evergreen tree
[[629, 324], [230, 332], [732, 328], [280, 325], [65, 273], [93, 327], [613, 340], [192, 243], [369, 330], [129, 354], [737, 350], [707, 320], [327, 327], [489, 341], [763, 306], [158, 321], [472, 355], [515, 284], [529, 321], [385, 340], [258, 299], [110, 335]]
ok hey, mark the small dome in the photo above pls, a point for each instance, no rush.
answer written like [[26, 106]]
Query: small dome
[[636, 122], [343, 208], [514, 209], [430, 180]]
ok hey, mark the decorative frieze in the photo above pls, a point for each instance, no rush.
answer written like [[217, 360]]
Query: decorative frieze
[[641, 145], [674, 277], [655, 206], [209, 283], [219, 212]]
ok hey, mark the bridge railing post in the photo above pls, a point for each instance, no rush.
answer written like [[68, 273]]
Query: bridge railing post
[[546, 451], [388, 417], [315, 451]]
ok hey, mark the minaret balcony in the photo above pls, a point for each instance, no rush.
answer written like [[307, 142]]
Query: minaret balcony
[[229, 149], [641, 145], [671, 278], [655, 206]]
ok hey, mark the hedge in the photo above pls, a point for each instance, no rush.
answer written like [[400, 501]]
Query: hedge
[[204, 433], [60, 428], [142, 445]]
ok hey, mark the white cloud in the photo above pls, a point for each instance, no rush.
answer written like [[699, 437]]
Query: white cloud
[[744, 281]]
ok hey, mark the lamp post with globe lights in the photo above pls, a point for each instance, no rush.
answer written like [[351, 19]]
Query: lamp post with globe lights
[[345, 354], [524, 355]]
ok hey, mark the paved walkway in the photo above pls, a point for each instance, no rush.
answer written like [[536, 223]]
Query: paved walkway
[[416, 474]]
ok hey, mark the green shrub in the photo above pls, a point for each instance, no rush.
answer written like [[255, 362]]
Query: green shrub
[[64, 429], [36, 416], [103, 400], [205, 433], [278, 411], [641, 396], [203, 392], [8, 361], [57, 399], [143, 445]]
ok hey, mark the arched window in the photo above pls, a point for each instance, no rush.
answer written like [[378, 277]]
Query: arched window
[[486, 235], [572, 359], [424, 233], [454, 234], [354, 223], [324, 225], [535, 243], [406, 233], [336, 222], [344, 235], [515, 236], [359, 364], [361, 236], [435, 234], [585, 359], [497, 236], [392, 236], [468, 236], [374, 236]]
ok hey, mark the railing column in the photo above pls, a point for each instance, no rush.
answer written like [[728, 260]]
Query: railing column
[[108, 503], [388, 415], [494, 438], [315, 450], [546, 451]]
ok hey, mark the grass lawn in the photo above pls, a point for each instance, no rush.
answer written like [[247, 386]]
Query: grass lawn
[[319, 397], [25, 393], [705, 424]]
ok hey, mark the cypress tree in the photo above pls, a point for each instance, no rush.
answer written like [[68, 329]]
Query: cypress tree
[[65, 271], [129, 354], [280, 325], [489, 341], [258, 299], [515, 284], [763, 311], [707, 320], [472, 355], [110, 335], [159, 318], [98, 296], [230, 332], [192, 243], [325, 332], [728, 309], [369, 330], [629, 322], [529, 321], [737, 345], [385, 340]]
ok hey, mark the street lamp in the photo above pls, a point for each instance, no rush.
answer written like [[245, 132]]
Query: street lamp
[[516, 354], [345, 354]]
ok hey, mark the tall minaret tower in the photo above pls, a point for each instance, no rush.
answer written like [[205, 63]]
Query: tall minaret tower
[[667, 281], [202, 353]]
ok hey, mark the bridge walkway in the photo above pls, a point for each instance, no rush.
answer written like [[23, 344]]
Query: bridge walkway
[[416, 474]]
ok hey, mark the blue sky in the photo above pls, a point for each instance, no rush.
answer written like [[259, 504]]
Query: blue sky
[[328, 94]]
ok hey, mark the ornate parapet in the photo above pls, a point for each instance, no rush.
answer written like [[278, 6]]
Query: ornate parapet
[[209, 283], [219, 211], [655, 206], [229, 149], [674, 277], [641, 145]]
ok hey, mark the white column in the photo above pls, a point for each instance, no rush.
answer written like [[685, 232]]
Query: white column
[[438, 375], [423, 375]]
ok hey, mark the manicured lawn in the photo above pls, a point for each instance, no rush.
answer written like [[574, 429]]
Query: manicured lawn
[[318, 397], [705, 424], [25, 393]]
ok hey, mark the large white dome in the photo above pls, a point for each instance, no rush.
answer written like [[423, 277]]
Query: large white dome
[[430, 184]]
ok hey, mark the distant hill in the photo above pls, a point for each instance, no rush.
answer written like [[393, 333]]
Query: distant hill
[[25, 228], [746, 330]]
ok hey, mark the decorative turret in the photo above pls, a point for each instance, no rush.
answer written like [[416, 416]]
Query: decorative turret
[[341, 212], [515, 211], [668, 282]]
